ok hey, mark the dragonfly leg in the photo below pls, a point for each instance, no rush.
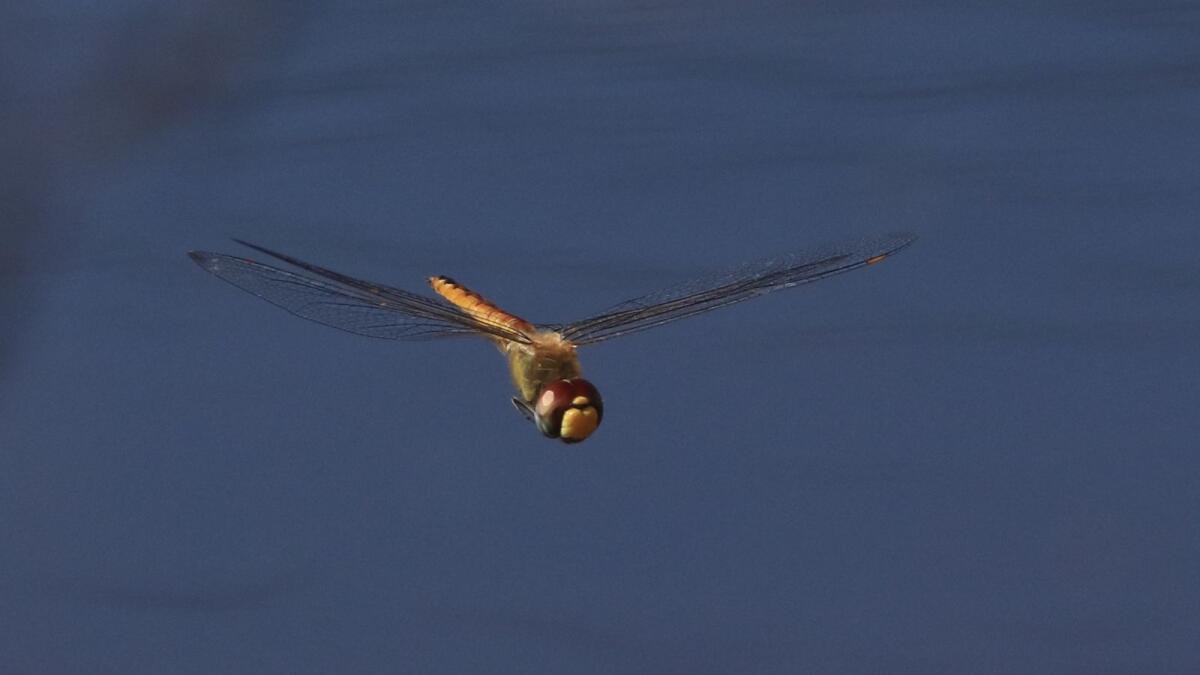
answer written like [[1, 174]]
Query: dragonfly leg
[[523, 408]]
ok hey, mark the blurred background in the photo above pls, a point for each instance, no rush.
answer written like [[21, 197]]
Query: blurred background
[[979, 456]]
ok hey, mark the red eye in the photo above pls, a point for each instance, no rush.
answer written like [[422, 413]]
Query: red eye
[[569, 409]]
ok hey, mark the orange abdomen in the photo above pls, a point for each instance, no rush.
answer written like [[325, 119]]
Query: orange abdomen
[[476, 305]]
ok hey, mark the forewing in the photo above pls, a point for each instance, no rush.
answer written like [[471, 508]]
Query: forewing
[[346, 303], [749, 281]]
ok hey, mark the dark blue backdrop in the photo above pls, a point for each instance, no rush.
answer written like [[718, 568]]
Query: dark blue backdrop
[[977, 457]]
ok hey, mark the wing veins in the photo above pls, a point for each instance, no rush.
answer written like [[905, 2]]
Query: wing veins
[[404, 300], [729, 288], [732, 292], [343, 302]]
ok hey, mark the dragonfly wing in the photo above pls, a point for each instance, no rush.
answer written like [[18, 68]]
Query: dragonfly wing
[[346, 303], [749, 281]]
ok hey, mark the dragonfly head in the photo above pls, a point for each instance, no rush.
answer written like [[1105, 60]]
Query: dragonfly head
[[569, 410]]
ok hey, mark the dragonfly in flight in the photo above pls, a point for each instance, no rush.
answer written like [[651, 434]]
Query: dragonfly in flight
[[552, 392]]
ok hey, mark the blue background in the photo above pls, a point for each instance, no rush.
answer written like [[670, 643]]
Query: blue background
[[979, 456]]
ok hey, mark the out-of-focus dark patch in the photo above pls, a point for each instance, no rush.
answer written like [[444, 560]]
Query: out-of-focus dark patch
[[75, 93]]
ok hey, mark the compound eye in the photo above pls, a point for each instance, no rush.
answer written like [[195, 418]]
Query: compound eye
[[568, 409]]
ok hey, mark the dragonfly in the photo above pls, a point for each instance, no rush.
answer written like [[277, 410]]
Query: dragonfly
[[542, 358]]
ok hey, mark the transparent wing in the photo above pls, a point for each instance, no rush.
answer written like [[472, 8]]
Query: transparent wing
[[346, 303], [727, 288]]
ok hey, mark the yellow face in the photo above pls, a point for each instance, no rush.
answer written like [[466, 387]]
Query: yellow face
[[569, 410], [580, 420]]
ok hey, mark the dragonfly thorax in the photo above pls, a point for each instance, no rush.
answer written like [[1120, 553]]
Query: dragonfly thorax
[[546, 373], [547, 358]]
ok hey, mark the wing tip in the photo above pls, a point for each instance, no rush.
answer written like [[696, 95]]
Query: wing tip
[[897, 241], [203, 258]]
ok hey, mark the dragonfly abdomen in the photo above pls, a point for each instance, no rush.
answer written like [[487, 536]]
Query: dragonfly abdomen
[[476, 305]]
